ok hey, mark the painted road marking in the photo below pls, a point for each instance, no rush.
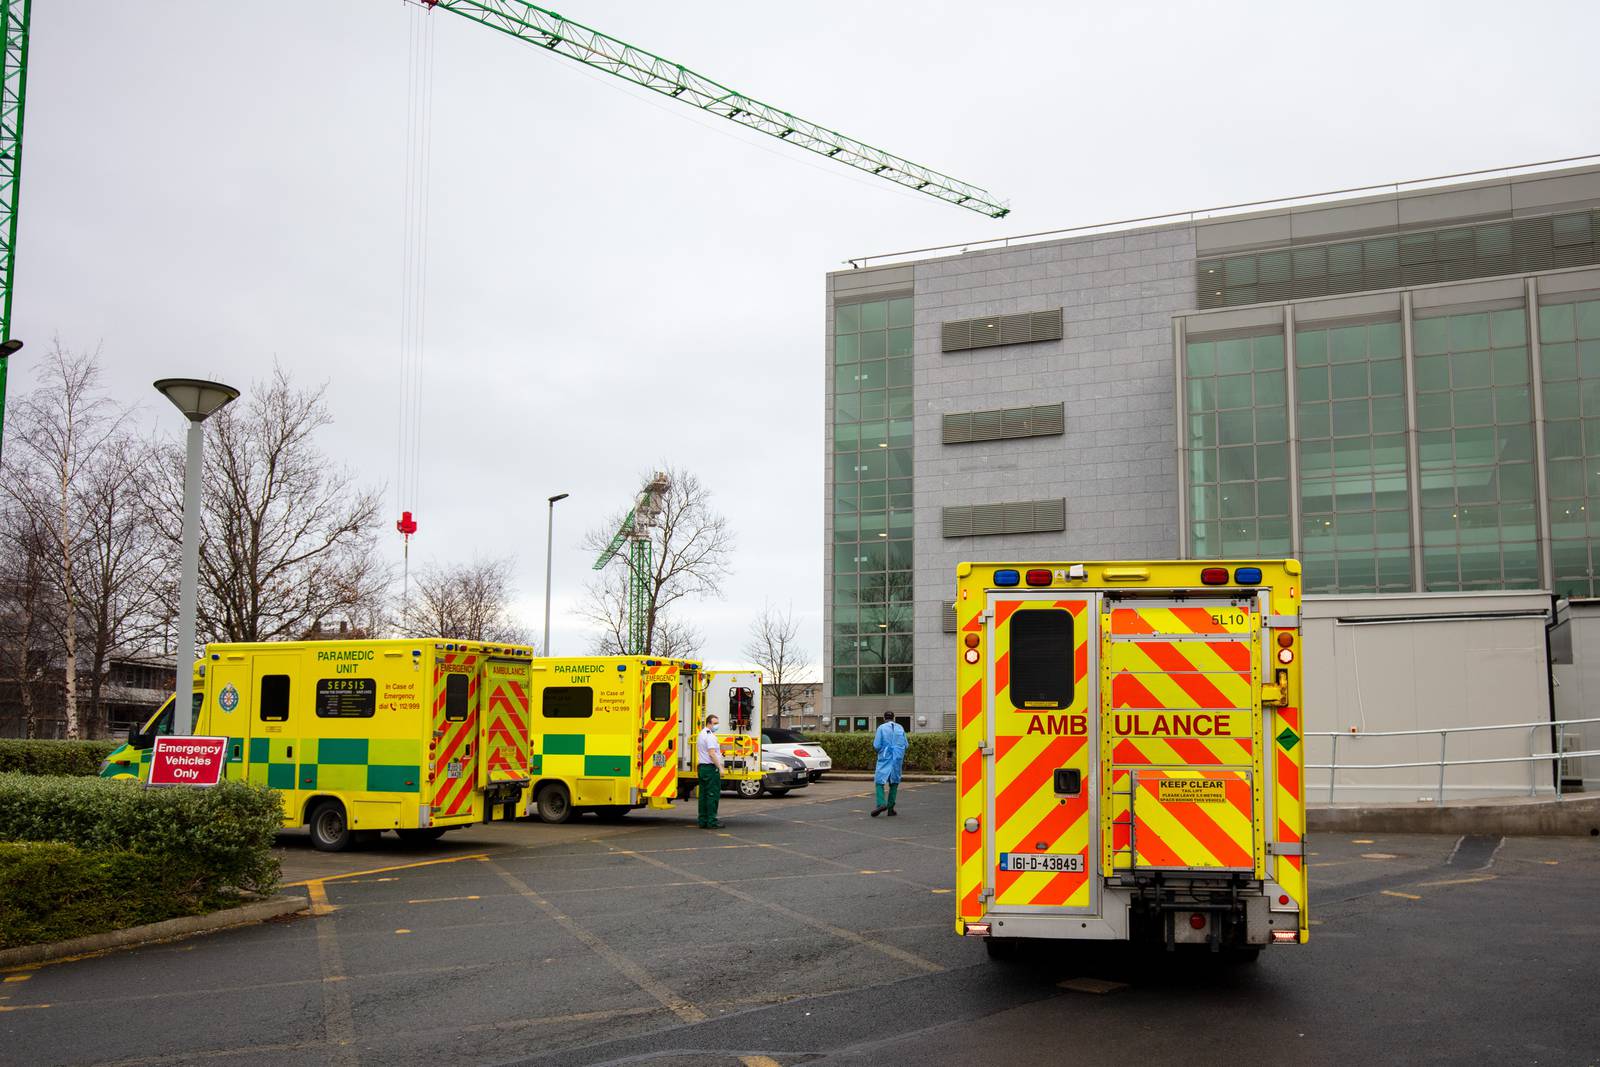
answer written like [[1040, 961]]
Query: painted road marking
[[1462, 881], [684, 1010], [441, 900], [402, 931], [318, 895], [1402, 896], [18, 977], [1379, 856], [385, 870], [22, 1007], [816, 924], [759, 1061], [338, 1019]]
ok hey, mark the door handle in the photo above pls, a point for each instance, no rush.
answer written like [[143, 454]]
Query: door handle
[[1069, 781], [290, 751]]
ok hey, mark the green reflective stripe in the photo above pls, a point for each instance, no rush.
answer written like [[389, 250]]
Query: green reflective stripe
[[280, 775], [342, 750], [563, 744], [606, 766], [260, 749]]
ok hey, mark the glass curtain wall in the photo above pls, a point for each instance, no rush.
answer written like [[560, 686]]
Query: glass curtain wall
[[1238, 452], [1476, 452], [872, 499], [1569, 349], [1355, 516]]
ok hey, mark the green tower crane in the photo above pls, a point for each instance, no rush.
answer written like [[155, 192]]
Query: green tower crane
[[635, 531], [13, 96]]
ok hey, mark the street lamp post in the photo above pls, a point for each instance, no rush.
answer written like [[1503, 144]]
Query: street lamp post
[[197, 400], [549, 539]]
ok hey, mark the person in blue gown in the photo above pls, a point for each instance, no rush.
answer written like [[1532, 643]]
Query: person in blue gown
[[890, 744]]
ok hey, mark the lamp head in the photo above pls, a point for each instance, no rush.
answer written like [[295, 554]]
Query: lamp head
[[196, 398], [559, 496]]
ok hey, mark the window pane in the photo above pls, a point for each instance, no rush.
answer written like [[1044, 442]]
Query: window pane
[[563, 702], [847, 318], [874, 345], [846, 348], [900, 342], [1042, 660], [874, 316], [900, 312]]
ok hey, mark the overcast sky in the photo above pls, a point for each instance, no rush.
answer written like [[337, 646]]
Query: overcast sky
[[619, 281]]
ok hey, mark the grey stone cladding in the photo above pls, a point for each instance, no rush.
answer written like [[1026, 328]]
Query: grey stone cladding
[[1116, 465]]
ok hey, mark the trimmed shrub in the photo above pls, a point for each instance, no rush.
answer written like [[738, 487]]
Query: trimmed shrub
[[222, 837], [51, 891], [929, 752], [76, 758]]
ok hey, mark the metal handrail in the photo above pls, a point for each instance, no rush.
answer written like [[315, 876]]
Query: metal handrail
[[1334, 766]]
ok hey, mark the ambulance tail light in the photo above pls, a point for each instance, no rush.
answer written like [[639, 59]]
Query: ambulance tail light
[[1214, 576], [1038, 577], [977, 930], [1284, 937]]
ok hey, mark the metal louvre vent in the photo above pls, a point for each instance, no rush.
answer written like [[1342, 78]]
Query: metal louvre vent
[[1488, 249], [1004, 424], [1019, 517], [949, 616], [992, 330]]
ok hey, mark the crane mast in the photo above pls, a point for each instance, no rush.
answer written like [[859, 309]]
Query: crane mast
[[548, 30], [13, 96], [634, 531]]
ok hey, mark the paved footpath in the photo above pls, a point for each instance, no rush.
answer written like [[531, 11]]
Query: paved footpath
[[805, 932]]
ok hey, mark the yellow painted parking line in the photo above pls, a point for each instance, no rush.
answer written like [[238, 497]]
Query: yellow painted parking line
[[402, 931], [441, 900], [759, 1061], [22, 1007], [1402, 896], [1361, 841], [18, 977], [319, 899], [1461, 881], [385, 870], [941, 890]]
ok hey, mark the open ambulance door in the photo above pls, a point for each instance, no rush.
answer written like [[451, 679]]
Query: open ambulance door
[[503, 772]]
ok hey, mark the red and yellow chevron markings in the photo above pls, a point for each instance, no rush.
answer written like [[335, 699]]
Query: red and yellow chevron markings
[[452, 740], [659, 777], [506, 740], [1188, 819]]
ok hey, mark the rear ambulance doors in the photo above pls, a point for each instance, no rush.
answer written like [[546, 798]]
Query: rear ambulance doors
[[666, 713], [503, 771], [1179, 735], [455, 751], [1041, 753]]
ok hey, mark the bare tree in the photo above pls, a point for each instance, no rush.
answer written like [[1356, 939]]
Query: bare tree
[[465, 600], [691, 545], [22, 603], [64, 430], [785, 666], [287, 536]]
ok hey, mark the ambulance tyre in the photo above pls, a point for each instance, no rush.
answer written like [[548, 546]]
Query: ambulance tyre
[[330, 830], [1003, 949], [421, 836], [554, 803], [749, 788]]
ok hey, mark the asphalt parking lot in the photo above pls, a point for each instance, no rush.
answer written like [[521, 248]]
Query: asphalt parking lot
[[805, 932]]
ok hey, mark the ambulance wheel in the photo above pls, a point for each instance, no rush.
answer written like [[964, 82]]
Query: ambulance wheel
[[421, 836], [555, 805], [1003, 949], [612, 812], [330, 831]]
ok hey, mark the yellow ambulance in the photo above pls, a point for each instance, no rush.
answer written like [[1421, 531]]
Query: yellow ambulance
[[734, 695], [607, 733], [415, 736], [1129, 753]]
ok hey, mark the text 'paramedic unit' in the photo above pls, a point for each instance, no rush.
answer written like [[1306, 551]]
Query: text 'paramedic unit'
[[1129, 753]]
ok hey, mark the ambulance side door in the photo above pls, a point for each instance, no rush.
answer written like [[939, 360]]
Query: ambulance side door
[[277, 712], [225, 711]]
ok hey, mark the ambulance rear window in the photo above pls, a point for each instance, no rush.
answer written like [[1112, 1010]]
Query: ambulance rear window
[[1041, 659], [569, 702], [660, 701], [455, 697]]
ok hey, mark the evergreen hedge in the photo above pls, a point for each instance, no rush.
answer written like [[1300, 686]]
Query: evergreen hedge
[[926, 752], [82, 855], [76, 758]]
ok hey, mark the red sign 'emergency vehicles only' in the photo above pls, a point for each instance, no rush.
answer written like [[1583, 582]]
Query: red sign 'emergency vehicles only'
[[188, 760]]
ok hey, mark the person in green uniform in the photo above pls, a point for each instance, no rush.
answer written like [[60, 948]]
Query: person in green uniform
[[708, 757]]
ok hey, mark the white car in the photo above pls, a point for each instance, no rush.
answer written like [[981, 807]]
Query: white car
[[789, 743]]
